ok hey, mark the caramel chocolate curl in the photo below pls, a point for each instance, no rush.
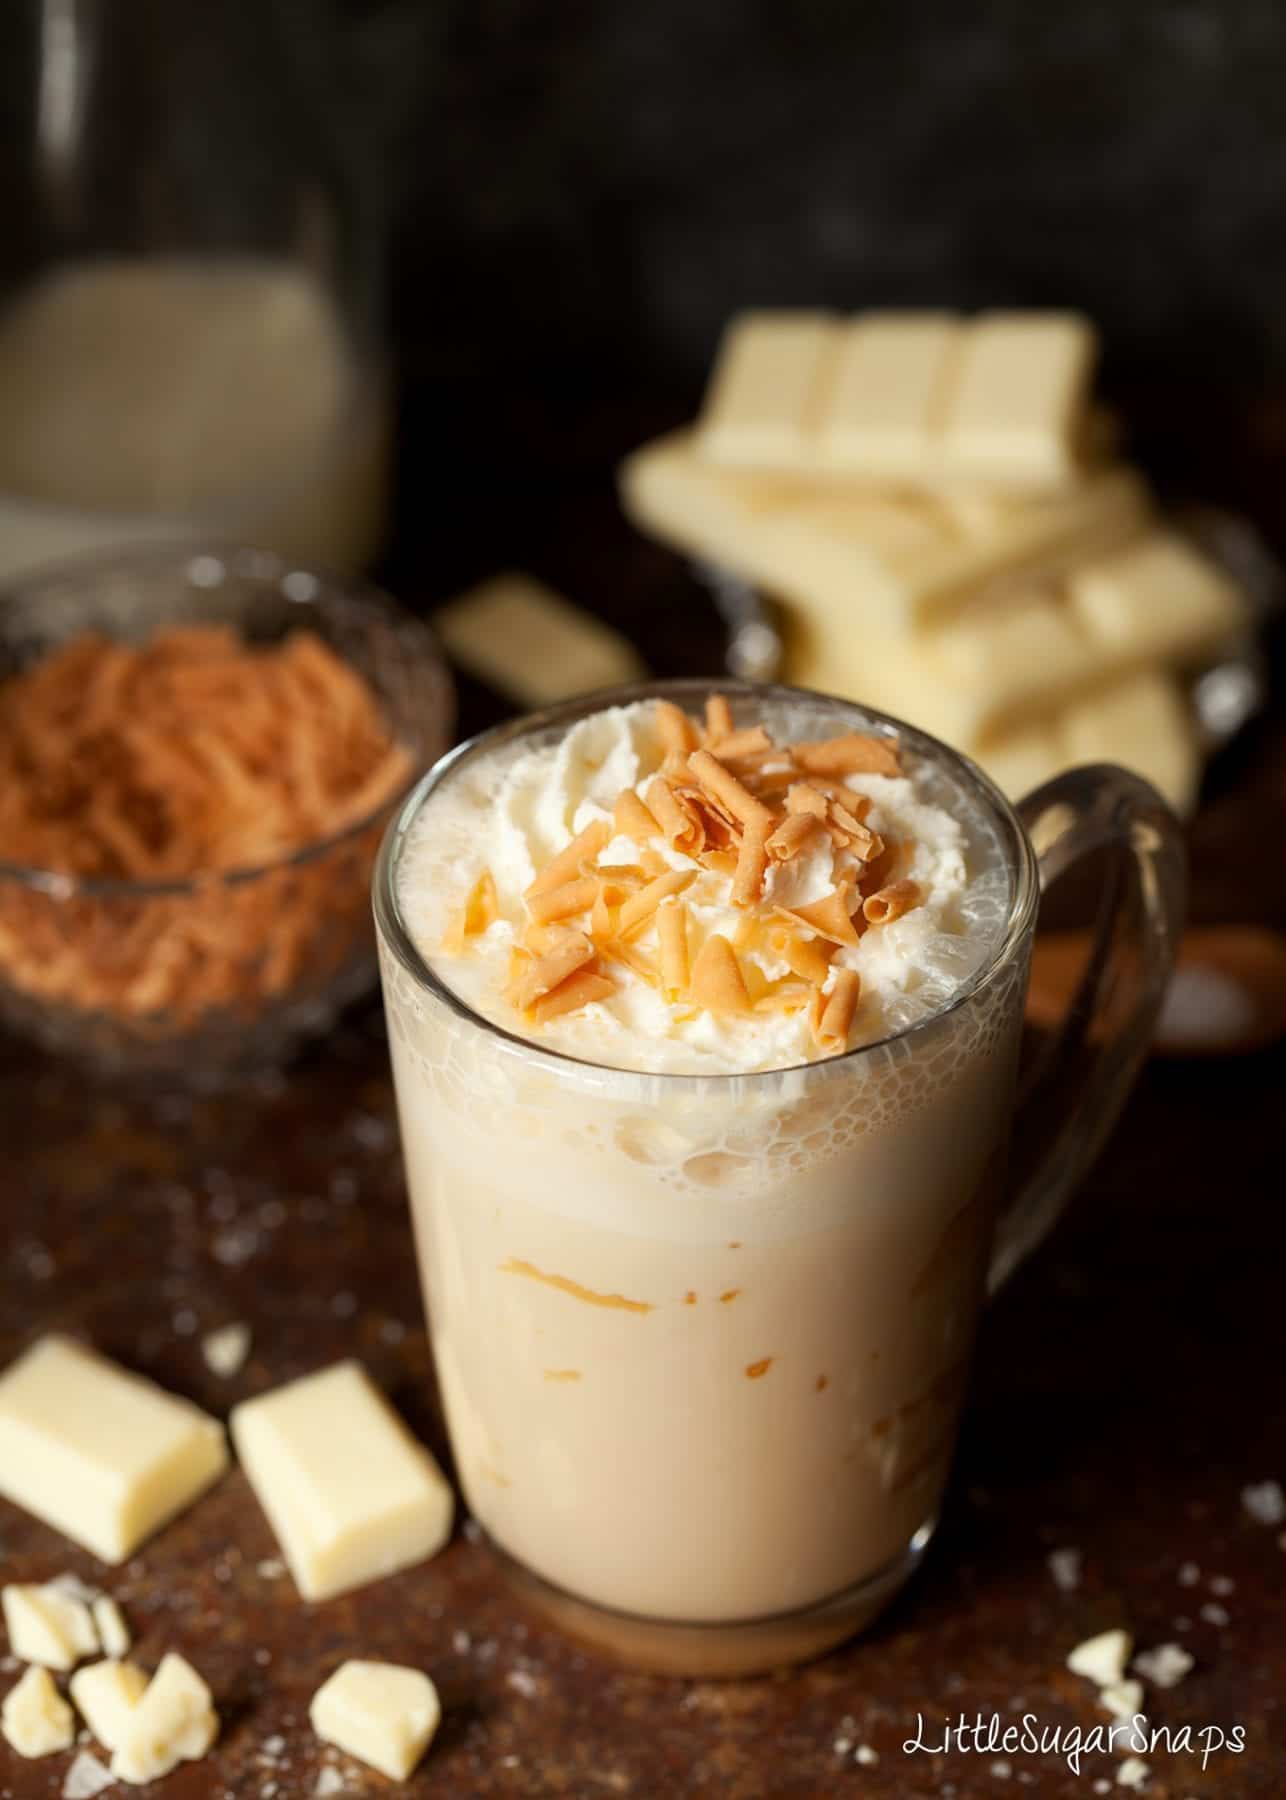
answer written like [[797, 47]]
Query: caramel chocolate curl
[[830, 917], [578, 990], [632, 819], [563, 902], [564, 867], [672, 936], [853, 753], [803, 798], [550, 970], [809, 958], [834, 1012], [752, 861], [674, 728], [753, 741], [891, 902], [638, 909], [719, 722], [676, 818], [724, 787], [481, 908], [717, 981], [791, 835]]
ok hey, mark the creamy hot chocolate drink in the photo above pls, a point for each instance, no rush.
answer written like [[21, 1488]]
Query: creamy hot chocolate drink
[[703, 1098]]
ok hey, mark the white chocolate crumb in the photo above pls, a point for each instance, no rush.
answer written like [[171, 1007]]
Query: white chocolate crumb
[[271, 1568], [86, 1777], [1214, 1614], [523, 1683], [1265, 1502], [1065, 1567], [865, 1755], [1102, 1659], [329, 1781], [1164, 1667], [1001, 1770], [226, 1349], [1133, 1773], [1189, 1574], [1223, 1585], [1122, 1699]]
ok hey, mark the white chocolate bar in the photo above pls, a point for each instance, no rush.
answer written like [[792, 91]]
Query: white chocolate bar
[[101, 1455], [1001, 400], [891, 379], [350, 1494], [381, 1713], [770, 369], [1017, 408], [878, 563], [526, 641], [1006, 658]]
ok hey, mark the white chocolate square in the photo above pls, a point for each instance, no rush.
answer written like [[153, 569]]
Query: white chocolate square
[[101, 1455], [349, 1492], [892, 378], [1157, 597], [1018, 407], [106, 1694], [35, 1719], [173, 1722], [381, 1713], [771, 373], [529, 643]]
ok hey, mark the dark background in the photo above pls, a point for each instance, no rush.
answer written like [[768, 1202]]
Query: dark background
[[578, 192]]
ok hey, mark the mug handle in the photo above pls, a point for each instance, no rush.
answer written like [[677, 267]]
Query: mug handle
[[1072, 1095]]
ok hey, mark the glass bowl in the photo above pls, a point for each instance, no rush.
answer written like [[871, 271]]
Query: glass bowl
[[226, 969]]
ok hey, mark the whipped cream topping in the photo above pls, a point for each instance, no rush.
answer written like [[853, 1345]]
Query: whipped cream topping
[[513, 812]]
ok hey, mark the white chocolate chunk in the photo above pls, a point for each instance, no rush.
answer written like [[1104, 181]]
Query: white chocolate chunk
[[771, 371], [226, 1349], [86, 1777], [381, 1713], [102, 1455], [173, 1722], [349, 1492], [1122, 1699], [526, 641], [1102, 1659], [1018, 406], [859, 559], [35, 1719], [892, 377], [48, 1626], [1158, 597], [106, 1694], [113, 1632]]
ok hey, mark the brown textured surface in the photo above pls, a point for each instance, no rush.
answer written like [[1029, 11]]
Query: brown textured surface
[[1128, 1386]]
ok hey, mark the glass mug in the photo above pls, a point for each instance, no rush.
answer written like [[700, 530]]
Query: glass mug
[[703, 1340]]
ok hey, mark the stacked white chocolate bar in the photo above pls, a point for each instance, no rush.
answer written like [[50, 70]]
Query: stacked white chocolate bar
[[934, 502]]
